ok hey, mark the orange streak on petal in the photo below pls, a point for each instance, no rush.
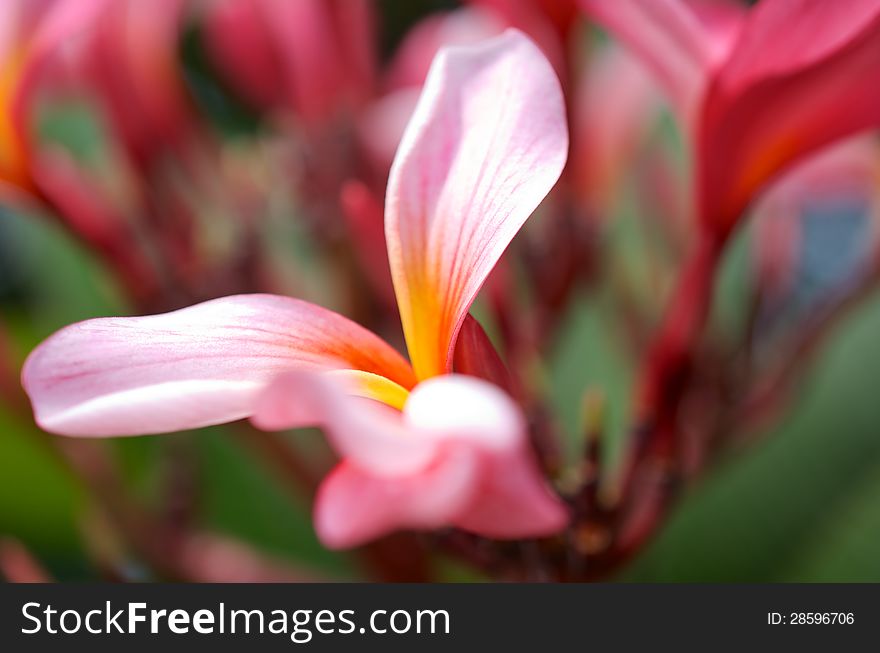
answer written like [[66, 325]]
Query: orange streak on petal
[[425, 324], [373, 386], [13, 159]]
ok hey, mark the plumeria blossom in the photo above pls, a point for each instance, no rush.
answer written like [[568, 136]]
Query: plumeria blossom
[[759, 88], [31, 35], [420, 447]]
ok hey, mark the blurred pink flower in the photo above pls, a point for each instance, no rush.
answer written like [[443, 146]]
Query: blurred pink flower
[[848, 170], [31, 34], [39, 40], [758, 88], [615, 106], [486, 143], [130, 59], [310, 57]]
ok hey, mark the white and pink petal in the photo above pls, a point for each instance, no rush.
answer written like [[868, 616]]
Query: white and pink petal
[[486, 143], [201, 365], [457, 455]]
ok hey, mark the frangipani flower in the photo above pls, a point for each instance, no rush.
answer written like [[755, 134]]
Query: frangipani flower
[[13, 167], [759, 89], [421, 447], [115, 53], [31, 32]]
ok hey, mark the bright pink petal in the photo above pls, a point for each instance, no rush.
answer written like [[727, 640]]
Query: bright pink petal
[[796, 81], [200, 365], [780, 37], [487, 142], [457, 455]]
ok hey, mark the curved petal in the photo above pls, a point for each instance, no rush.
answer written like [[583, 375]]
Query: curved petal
[[364, 431], [512, 499], [487, 142], [457, 455], [353, 506], [795, 83], [197, 366], [782, 37]]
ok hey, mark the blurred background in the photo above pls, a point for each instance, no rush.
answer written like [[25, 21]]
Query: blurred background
[[161, 171]]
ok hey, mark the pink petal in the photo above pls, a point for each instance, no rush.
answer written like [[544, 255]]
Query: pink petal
[[457, 455], [197, 366], [784, 36], [512, 501], [359, 429], [795, 82], [487, 142], [353, 506]]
